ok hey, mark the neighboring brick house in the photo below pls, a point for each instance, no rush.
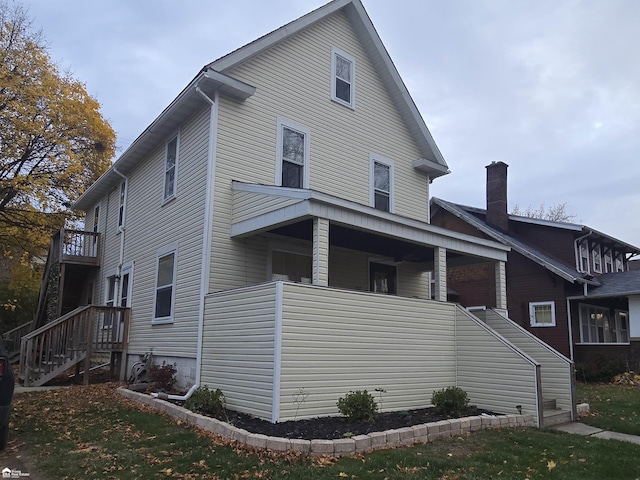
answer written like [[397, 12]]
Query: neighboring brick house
[[569, 284]]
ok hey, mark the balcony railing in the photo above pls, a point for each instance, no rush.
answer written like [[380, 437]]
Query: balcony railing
[[80, 247]]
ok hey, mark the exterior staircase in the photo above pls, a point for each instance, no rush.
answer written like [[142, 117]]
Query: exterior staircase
[[72, 340]]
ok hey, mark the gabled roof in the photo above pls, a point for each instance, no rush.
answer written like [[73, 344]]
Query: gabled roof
[[559, 268], [433, 162], [214, 77]]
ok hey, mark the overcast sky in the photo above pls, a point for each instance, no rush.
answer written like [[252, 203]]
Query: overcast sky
[[551, 87]]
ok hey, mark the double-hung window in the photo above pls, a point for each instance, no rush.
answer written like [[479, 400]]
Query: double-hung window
[[542, 314], [343, 75], [584, 257], [292, 162], [165, 285], [596, 255], [381, 187], [170, 168]]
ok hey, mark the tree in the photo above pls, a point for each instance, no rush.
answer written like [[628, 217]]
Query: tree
[[53, 139], [554, 213]]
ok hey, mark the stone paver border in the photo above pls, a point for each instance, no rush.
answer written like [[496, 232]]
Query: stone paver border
[[424, 433]]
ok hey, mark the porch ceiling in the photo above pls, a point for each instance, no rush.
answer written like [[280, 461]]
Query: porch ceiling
[[264, 208]]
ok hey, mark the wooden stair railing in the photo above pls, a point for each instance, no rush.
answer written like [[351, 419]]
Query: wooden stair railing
[[13, 337], [73, 338]]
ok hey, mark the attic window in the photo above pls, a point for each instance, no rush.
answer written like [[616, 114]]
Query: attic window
[[343, 75], [170, 166]]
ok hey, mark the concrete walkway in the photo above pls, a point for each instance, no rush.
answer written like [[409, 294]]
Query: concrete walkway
[[578, 428]]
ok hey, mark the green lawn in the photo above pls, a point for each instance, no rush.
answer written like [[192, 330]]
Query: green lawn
[[92, 432], [613, 407]]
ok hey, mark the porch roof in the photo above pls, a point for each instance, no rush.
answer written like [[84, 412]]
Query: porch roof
[[618, 284], [260, 208]]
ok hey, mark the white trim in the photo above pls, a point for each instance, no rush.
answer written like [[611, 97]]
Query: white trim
[[127, 268], [277, 352], [163, 252], [291, 125], [352, 83], [373, 159], [611, 315], [165, 198], [596, 251], [532, 314]]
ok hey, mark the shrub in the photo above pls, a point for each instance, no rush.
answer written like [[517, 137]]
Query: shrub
[[358, 406], [206, 401], [451, 401], [164, 376], [599, 369]]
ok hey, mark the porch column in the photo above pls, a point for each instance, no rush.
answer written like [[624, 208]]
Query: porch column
[[501, 286], [321, 252], [440, 273]]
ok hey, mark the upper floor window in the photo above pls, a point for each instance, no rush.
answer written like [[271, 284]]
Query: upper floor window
[[381, 183], [608, 262], [596, 255], [619, 262], [584, 257], [96, 218], [170, 167], [165, 285], [292, 163], [542, 314], [343, 75], [123, 196]]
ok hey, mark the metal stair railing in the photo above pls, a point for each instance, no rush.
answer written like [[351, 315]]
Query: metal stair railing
[[55, 347]]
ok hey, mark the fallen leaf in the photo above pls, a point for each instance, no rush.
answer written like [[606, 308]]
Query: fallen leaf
[[551, 465]]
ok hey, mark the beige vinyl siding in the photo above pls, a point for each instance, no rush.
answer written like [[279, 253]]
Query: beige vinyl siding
[[496, 375], [150, 226], [293, 81], [556, 370], [238, 347], [248, 205], [337, 341]]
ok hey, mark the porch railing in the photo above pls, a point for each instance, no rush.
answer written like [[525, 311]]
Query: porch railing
[[78, 246], [75, 337]]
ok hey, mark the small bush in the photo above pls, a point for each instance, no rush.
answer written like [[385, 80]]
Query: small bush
[[599, 369], [451, 401], [206, 401], [164, 376], [358, 406]]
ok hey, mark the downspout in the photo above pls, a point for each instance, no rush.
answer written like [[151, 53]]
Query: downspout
[[207, 239], [118, 292]]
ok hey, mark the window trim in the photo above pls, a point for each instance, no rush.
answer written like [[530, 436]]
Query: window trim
[[584, 266], [160, 254], [283, 123], [373, 159], [350, 58], [596, 259], [165, 198], [532, 314]]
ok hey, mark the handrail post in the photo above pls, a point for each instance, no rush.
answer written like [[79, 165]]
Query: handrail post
[[89, 347]]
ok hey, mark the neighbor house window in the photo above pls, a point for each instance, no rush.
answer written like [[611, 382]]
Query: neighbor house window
[[170, 166], [584, 257], [608, 262], [292, 163], [123, 195], [596, 255], [381, 183], [343, 74], [542, 314], [165, 285], [597, 325]]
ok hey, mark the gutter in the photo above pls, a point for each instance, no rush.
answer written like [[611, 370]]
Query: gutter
[[207, 240]]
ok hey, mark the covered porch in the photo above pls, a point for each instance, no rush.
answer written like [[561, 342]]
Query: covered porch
[[338, 243]]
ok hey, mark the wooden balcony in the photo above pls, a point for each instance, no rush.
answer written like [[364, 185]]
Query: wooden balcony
[[79, 247]]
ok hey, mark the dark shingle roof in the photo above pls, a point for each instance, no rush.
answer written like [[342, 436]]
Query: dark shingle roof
[[617, 284]]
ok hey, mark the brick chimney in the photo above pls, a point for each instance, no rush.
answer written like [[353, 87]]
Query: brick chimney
[[497, 215]]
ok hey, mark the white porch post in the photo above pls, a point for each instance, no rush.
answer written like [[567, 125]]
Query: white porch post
[[501, 286], [321, 252], [440, 273]]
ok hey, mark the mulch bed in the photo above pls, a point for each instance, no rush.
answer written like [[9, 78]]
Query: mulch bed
[[329, 428]]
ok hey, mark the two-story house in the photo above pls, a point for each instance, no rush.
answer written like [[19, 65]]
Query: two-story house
[[269, 233], [568, 284]]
